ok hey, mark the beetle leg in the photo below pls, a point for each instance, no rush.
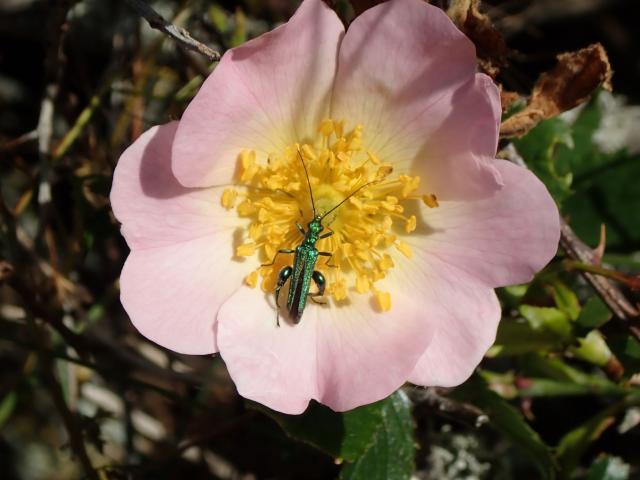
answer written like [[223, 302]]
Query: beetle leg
[[325, 235], [300, 229], [321, 283], [284, 250], [283, 276], [328, 254]]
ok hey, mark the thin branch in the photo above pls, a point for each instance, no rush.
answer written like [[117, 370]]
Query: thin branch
[[179, 34], [436, 397], [21, 140], [577, 250], [76, 438], [54, 68]]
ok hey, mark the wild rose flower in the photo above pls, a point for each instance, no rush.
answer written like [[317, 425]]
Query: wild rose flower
[[396, 101]]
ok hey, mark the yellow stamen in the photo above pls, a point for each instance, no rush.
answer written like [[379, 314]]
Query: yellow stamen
[[252, 279], [326, 127], [365, 238], [362, 284], [405, 249], [228, 198], [246, 250], [411, 223], [430, 200], [384, 300], [373, 157]]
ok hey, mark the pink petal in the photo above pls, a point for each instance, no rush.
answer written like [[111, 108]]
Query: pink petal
[[268, 93], [154, 209], [502, 239], [343, 357], [408, 74], [181, 239], [173, 293], [465, 317]]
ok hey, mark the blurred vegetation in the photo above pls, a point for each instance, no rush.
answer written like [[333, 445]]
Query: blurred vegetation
[[83, 395]]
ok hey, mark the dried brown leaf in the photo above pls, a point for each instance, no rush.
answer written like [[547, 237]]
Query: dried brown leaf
[[507, 99], [491, 48], [573, 79]]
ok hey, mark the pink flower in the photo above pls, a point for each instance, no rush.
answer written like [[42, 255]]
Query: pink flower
[[396, 101]]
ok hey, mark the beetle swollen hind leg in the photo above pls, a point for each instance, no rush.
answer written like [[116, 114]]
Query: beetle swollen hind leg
[[283, 276], [321, 283]]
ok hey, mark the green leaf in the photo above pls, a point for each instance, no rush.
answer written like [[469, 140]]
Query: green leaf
[[391, 453], [218, 18], [608, 468], [240, 32], [627, 350], [358, 436], [604, 185], [508, 421], [593, 315], [538, 366], [566, 300], [583, 155], [632, 348], [608, 195], [7, 406], [538, 148], [574, 444], [548, 319], [544, 387], [516, 337], [342, 435], [592, 349]]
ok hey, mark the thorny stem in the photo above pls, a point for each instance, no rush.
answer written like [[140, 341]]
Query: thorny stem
[[178, 34], [632, 282]]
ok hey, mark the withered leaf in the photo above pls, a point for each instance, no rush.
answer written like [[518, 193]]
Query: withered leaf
[[575, 76], [507, 99], [491, 48]]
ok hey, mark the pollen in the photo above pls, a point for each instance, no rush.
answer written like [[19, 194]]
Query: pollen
[[383, 300], [369, 229]]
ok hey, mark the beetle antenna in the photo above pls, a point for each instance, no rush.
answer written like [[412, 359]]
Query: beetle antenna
[[348, 197], [313, 204]]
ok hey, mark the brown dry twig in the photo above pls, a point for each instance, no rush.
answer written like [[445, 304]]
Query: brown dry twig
[[76, 437], [178, 34]]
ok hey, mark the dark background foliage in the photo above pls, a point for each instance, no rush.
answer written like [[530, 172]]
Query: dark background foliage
[[83, 395]]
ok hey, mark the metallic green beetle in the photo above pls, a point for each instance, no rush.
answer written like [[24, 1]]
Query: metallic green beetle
[[304, 261]]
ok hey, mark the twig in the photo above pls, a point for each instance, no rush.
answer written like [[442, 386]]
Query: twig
[[21, 140], [633, 282], [436, 397], [76, 440], [577, 250], [54, 63], [112, 372], [179, 34], [79, 125]]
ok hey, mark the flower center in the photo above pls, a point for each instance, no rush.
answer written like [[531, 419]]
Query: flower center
[[367, 227]]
